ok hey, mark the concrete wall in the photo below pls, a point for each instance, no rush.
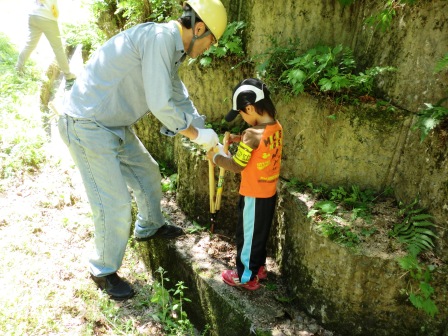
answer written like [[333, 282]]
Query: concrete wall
[[360, 146], [352, 292]]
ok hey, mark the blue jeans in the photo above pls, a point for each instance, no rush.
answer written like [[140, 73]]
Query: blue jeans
[[108, 165]]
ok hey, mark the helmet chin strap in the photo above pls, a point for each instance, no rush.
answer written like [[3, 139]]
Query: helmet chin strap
[[192, 14]]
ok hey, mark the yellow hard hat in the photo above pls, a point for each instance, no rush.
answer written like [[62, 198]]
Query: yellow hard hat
[[212, 13]]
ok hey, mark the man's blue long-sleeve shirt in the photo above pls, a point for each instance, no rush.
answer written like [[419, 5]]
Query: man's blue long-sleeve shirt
[[135, 72]]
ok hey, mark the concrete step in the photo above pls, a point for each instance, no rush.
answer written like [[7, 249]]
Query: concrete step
[[197, 259]]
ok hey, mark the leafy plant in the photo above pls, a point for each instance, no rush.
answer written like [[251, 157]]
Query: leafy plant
[[128, 13], [170, 308], [21, 138], [420, 297], [330, 70], [230, 45], [339, 233], [169, 183], [196, 228], [331, 207], [433, 115], [323, 207], [415, 232], [86, 34], [430, 118], [271, 64], [415, 229], [136, 11], [442, 64], [382, 20], [164, 10]]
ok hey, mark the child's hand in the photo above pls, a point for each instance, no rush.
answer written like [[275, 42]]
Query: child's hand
[[234, 138], [218, 149]]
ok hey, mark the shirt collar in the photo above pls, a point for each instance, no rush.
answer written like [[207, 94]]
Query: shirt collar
[[177, 27]]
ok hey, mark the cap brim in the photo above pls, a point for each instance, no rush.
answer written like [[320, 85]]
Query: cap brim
[[231, 115]]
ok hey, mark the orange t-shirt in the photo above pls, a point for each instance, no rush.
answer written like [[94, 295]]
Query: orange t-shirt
[[260, 176]]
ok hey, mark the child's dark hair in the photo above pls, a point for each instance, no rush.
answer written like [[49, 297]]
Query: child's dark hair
[[185, 19], [266, 104]]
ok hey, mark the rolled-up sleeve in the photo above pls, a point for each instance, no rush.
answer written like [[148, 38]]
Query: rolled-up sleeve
[[166, 95]]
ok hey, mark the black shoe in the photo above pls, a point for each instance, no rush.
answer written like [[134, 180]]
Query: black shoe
[[117, 288], [166, 231]]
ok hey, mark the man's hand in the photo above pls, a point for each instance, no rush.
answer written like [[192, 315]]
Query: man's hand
[[207, 138], [218, 150]]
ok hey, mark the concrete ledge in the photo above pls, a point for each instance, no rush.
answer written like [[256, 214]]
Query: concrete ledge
[[228, 311], [350, 291]]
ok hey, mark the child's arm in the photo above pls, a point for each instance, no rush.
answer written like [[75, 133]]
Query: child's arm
[[234, 138], [239, 161]]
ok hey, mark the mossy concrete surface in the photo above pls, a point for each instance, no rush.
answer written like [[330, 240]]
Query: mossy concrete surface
[[227, 311], [347, 291], [350, 291]]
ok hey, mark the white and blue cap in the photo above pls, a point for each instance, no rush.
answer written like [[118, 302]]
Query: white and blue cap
[[247, 92]]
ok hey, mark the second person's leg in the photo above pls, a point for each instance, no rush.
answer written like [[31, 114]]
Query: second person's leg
[[34, 34]]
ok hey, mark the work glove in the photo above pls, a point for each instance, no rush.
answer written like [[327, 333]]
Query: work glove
[[207, 138], [219, 150]]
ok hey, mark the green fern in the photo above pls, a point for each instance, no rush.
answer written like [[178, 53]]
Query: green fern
[[442, 64], [415, 232], [415, 229]]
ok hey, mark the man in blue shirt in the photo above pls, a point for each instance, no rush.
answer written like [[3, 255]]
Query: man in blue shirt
[[134, 73]]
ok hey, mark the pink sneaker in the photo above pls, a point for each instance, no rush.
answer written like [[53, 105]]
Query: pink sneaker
[[262, 273], [231, 278]]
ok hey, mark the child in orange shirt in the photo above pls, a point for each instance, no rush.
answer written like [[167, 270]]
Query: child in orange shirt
[[258, 159]]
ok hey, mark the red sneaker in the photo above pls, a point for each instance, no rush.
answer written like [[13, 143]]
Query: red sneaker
[[262, 273], [231, 278]]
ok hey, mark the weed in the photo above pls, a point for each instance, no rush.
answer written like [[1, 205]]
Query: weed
[[21, 143], [196, 228], [90, 37], [170, 309], [129, 13], [415, 233], [415, 229], [271, 286], [169, 183], [272, 63], [330, 69], [323, 69], [229, 46], [341, 234], [419, 296], [442, 64], [332, 207], [430, 118], [382, 20]]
